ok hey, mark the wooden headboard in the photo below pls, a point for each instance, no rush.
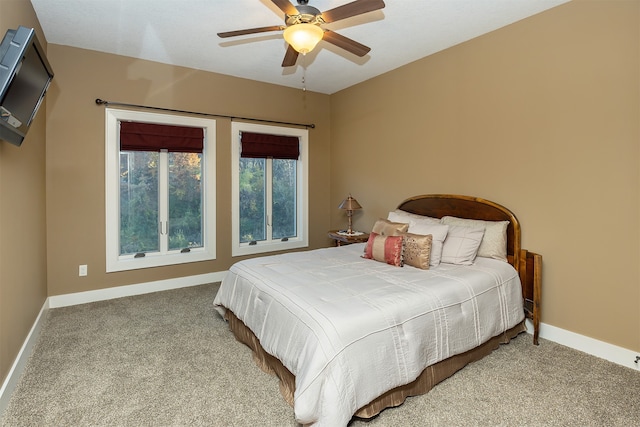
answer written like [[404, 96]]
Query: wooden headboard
[[439, 205]]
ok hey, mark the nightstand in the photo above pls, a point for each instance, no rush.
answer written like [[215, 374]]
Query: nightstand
[[343, 239]]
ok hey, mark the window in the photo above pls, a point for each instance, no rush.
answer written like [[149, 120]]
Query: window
[[269, 188], [160, 189]]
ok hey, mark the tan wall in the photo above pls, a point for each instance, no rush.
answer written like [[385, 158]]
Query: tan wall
[[23, 268], [541, 116], [76, 154]]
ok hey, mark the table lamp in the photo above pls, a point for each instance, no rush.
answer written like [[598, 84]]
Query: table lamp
[[350, 204]]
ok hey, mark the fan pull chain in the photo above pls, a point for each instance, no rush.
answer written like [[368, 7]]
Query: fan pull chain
[[304, 72]]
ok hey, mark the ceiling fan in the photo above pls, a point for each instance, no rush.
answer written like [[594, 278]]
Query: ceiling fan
[[302, 29]]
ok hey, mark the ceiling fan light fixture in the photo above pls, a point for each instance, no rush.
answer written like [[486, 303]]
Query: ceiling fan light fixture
[[303, 37]]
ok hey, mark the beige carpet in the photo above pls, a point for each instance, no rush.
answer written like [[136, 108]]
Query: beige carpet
[[168, 359]]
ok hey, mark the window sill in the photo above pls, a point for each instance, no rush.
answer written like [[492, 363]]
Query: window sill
[[157, 260], [259, 248]]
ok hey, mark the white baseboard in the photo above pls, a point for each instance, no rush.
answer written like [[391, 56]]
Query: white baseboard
[[131, 290], [19, 364], [56, 301], [601, 349]]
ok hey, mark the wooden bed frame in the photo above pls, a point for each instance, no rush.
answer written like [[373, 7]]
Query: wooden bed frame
[[526, 263], [439, 205]]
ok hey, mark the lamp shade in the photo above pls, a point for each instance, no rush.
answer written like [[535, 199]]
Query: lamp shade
[[350, 204], [303, 37]]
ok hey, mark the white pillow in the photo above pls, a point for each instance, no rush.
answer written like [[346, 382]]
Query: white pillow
[[494, 242], [438, 233], [461, 245], [402, 216]]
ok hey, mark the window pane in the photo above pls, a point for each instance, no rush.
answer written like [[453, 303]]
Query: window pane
[[252, 200], [138, 202], [284, 198], [185, 200]]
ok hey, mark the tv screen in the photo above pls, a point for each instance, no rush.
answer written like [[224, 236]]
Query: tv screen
[[25, 75]]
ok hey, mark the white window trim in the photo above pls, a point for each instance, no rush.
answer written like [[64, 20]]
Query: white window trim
[[116, 262], [302, 240]]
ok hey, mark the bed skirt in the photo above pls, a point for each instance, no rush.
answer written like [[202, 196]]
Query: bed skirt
[[431, 376]]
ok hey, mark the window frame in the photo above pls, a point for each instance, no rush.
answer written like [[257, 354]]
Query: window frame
[[115, 261], [302, 190]]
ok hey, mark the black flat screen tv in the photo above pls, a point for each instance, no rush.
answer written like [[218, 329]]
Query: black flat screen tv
[[25, 75]]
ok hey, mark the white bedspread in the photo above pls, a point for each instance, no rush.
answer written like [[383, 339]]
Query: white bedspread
[[350, 329]]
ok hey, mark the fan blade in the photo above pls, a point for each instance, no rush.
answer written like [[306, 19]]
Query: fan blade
[[290, 57], [251, 31], [286, 7], [345, 43], [354, 8]]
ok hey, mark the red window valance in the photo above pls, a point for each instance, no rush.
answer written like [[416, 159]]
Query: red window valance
[[262, 145], [135, 136]]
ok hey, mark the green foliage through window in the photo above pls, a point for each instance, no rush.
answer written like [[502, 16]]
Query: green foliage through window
[[140, 174], [253, 198]]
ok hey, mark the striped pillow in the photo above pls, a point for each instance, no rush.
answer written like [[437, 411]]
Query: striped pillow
[[385, 249]]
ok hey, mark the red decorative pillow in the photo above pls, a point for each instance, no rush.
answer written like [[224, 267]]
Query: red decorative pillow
[[385, 249]]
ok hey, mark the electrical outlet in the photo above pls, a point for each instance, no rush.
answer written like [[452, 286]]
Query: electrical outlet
[[82, 270]]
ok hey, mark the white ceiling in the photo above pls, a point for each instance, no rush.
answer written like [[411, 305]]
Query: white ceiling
[[183, 32]]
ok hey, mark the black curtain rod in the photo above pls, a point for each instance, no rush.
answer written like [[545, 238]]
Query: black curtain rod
[[107, 103]]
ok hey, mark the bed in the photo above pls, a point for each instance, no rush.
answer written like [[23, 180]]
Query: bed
[[350, 336]]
